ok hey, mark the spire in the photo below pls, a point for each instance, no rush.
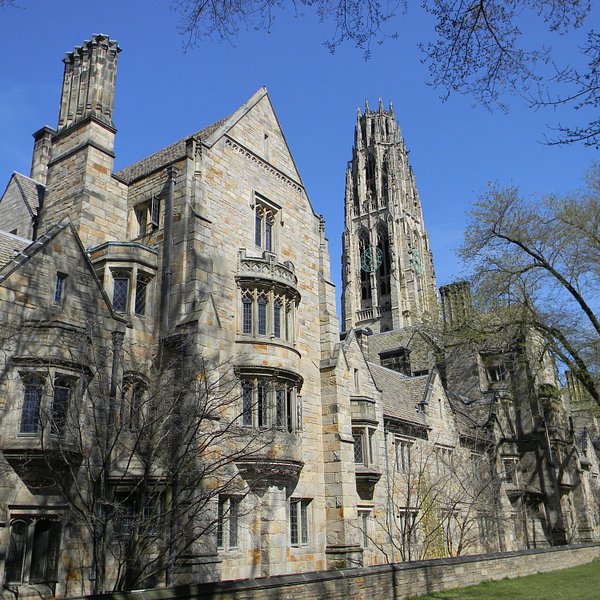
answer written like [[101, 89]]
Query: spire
[[89, 82]]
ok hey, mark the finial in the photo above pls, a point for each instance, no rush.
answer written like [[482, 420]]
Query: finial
[[380, 105], [366, 105], [391, 110]]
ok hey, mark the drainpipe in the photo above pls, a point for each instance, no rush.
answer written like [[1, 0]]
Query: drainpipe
[[167, 245], [390, 507]]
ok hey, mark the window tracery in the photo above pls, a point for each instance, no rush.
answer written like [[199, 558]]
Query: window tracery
[[271, 402], [267, 313]]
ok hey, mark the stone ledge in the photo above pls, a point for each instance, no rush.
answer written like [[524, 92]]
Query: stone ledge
[[247, 587]]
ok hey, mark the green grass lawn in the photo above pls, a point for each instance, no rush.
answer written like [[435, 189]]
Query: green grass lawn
[[577, 583]]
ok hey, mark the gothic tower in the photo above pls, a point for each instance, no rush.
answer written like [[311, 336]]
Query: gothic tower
[[388, 279]]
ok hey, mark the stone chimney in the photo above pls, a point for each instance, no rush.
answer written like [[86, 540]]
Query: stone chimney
[[457, 305], [42, 145], [89, 82], [79, 182]]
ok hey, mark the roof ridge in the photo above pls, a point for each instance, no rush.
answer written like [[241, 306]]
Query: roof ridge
[[170, 153], [29, 178]]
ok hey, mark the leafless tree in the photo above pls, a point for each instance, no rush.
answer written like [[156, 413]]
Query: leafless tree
[[437, 502], [477, 48], [141, 461], [538, 264]]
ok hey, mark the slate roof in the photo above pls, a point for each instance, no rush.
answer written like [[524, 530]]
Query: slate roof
[[166, 155], [380, 342], [10, 246], [472, 415], [400, 394], [29, 190]]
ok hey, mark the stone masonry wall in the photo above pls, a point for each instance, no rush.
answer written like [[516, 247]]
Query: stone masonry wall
[[387, 581]]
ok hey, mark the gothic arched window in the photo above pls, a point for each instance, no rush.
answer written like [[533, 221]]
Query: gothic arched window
[[364, 247], [383, 271], [371, 183], [385, 182]]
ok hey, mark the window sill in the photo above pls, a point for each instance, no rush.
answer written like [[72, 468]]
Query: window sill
[[266, 340]]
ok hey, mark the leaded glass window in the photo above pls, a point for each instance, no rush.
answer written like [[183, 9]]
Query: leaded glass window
[[246, 403], [120, 292], [246, 314], [262, 316], [141, 288], [60, 405], [30, 413], [277, 319]]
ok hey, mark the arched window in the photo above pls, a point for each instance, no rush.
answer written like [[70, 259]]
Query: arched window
[[262, 315], [371, 183], [33, 551], [364, 248], [383, 252], [17, 550], [268, 313], [247, 313], [277, 318], [385, 181]]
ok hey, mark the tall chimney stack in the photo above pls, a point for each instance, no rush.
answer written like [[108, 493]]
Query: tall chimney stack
[[89, 82]]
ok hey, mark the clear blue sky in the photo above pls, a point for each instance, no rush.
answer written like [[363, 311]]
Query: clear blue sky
[[164, 94]]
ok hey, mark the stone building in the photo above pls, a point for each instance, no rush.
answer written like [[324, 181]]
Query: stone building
[[177, 403]]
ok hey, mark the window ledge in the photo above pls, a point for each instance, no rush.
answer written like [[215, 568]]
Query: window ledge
[[266, 340]]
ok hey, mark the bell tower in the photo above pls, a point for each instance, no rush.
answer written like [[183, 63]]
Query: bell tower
[[388, 280]]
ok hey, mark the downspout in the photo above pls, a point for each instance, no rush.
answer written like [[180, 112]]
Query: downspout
[[389, 509], [167, 245]]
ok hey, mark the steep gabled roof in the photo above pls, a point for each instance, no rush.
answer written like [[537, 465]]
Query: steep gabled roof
[[209, 135], [29, 250], [30, 191], [400, 394], [32, 248], [26, 189], [10, 246]]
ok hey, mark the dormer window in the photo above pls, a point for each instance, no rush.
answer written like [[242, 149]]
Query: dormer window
[[397, 360], [497, 373], [147, 215]]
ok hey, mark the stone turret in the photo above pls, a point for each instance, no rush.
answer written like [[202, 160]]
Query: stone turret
[[388, 276], [80, 184]]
